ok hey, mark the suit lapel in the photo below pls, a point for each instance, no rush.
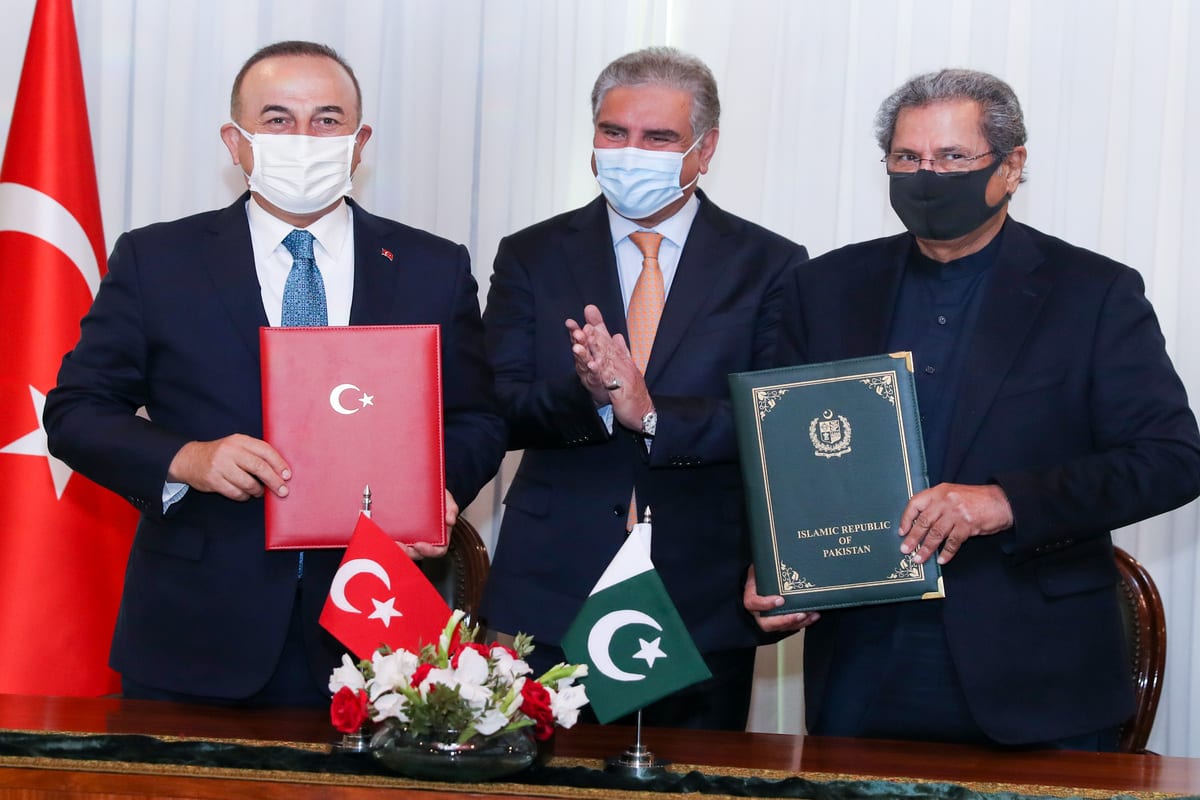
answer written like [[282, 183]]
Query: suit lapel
[[1014, 297], [593, 264], [229, 260], [376, 270], [710, 250], [874, 299]]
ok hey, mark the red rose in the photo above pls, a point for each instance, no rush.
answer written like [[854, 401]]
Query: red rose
[[456, 652], [535, 704], [348, 711], [419, 674]]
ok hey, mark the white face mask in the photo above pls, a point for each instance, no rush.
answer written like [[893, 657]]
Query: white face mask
[[300, 174], [640, 183]]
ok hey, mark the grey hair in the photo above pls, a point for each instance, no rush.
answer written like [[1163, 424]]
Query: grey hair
[[668, 67], [1002, 122]]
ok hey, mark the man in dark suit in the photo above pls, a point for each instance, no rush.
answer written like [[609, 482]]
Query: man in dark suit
[[208, 614], [634, 403], [1051, 415]]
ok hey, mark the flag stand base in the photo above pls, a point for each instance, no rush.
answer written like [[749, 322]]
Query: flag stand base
[[636, 762], [357, 742]]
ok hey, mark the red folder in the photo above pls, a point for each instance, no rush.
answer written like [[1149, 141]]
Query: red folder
[[347, 408]]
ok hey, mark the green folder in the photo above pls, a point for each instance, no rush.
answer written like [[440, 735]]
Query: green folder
[[830, 455]]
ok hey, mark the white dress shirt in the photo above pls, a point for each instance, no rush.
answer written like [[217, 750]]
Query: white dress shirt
[[333, 249], [674, 230]]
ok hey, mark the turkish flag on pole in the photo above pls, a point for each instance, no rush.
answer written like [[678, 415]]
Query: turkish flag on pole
[[63, 539], [379, 596]]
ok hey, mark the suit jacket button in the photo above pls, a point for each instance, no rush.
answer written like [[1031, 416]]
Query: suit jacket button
[[619, 511]]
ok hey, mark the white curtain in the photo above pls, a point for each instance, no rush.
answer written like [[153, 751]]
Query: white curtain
[[482, 126]]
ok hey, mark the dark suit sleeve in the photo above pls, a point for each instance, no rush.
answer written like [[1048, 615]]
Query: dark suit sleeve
[[699, 429], [1146, 448], [90, 416], [474, 430], [791, 338], [542, 412]]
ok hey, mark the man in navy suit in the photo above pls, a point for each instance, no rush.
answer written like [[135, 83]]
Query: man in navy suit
[[606, 413], [208, 614], [1051, 415]]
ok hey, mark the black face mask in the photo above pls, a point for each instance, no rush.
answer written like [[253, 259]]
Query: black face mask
[[943, 206]]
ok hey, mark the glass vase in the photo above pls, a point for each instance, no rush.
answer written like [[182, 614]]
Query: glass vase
[[440, 756]]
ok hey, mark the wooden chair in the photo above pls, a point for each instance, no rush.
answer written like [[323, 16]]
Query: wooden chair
[[469, 558], [1146, 631]]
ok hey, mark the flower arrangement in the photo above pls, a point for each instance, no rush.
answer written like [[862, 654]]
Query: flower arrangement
[[457, 685]]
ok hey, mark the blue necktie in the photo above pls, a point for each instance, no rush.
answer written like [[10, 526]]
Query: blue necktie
[[304, 293], [303, 298]]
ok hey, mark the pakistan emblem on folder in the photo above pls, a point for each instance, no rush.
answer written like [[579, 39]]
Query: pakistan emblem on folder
[[829, 434]]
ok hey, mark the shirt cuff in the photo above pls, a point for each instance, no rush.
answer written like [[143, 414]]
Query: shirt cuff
[[606, 416], [172, 494]]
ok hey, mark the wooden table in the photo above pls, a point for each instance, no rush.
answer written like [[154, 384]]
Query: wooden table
[[712, 752]]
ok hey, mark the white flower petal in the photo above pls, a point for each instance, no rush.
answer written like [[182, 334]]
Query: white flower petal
[[472, 668], [491, 722], [393, 670], [346, 675], [566, 704], [391, 706]]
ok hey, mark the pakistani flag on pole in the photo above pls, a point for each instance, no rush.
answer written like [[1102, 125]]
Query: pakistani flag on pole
[[631, 637]]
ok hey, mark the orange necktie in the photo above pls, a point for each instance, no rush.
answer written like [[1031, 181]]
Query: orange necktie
[[646, 304], [645, 311]]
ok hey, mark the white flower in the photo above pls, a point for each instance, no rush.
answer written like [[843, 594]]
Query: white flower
[[490, 722], [508, 668], [471, 679], [347, 675], [566, 703], [391, 706], [472, 668], [437, 677], [476, 696], [392, 671]]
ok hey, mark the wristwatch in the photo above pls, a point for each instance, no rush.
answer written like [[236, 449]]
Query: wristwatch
[[650, 423]]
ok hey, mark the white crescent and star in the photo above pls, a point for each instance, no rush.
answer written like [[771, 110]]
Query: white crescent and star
[[384, 610], [335, 399], [600, 642], [26, 210]]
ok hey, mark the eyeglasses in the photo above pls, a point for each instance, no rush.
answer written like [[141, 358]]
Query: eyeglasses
[[946, 162]]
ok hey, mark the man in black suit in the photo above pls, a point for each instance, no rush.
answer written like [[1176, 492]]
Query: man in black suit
[[663, 294], [1051, 415], [208, 615]]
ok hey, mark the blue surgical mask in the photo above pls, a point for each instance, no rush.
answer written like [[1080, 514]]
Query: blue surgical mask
[[640, 183]]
